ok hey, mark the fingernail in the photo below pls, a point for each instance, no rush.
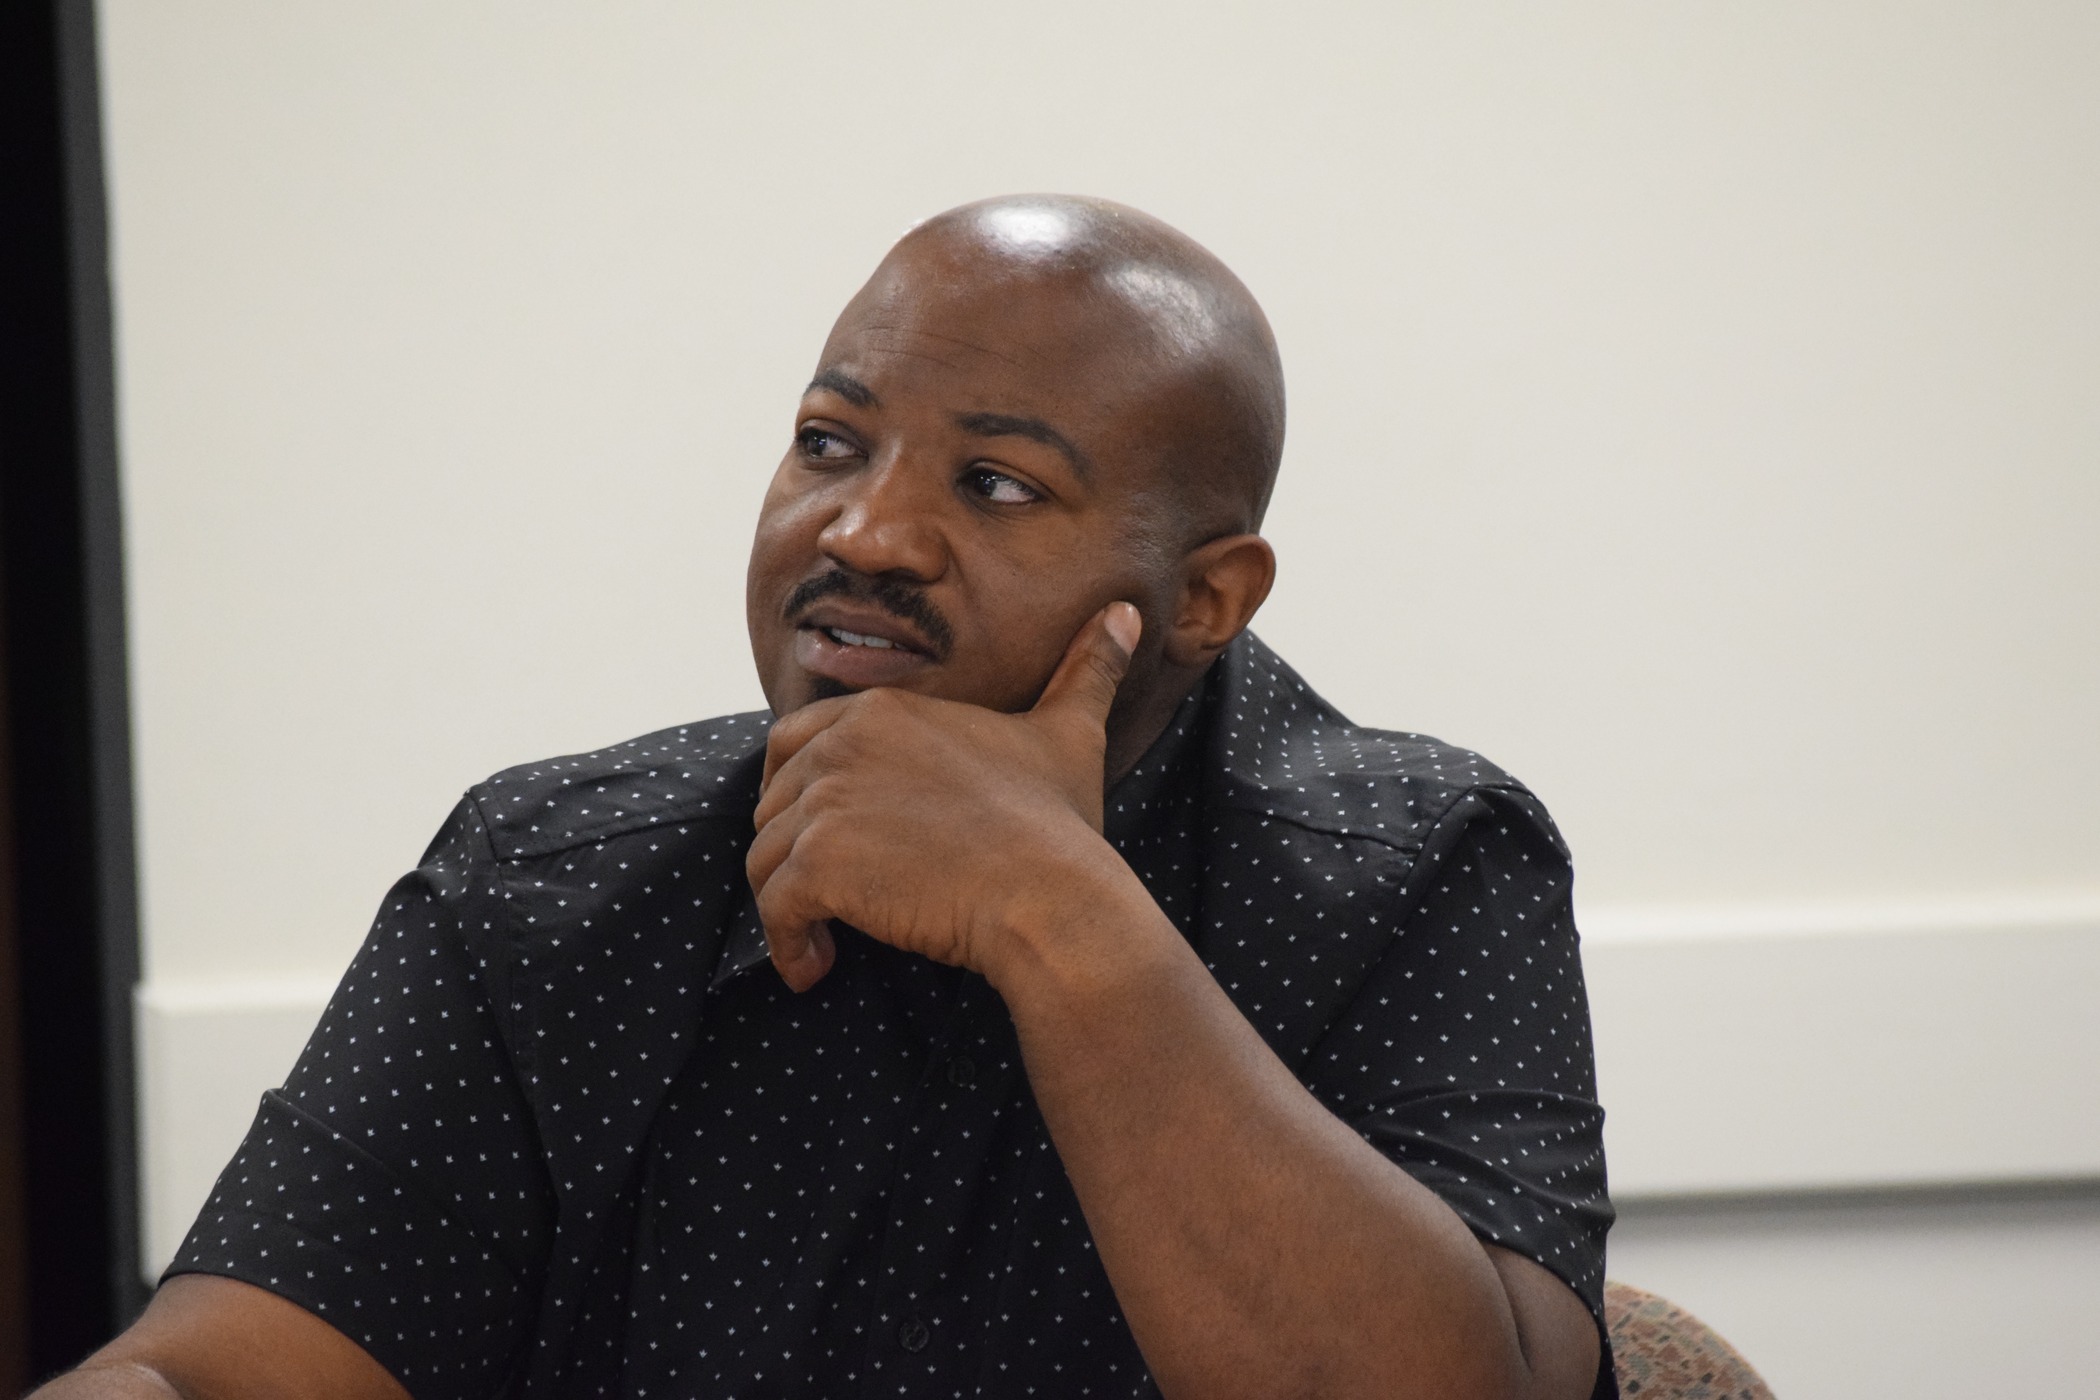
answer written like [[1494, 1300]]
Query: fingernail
[[1125, 626]]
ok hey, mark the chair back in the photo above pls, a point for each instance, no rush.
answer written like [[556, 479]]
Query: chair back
[[1664, 1353]]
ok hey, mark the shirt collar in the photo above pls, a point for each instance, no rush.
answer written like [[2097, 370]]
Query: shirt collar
[[1162, 777]]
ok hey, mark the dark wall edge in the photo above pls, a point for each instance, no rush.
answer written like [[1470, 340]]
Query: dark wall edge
[[108, 659]]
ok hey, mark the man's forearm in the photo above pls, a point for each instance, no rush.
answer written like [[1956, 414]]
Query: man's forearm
[[206, 1338], [109, 1381], [1257, 1245]]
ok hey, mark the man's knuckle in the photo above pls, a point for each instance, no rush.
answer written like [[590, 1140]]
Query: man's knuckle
[[877, 709]]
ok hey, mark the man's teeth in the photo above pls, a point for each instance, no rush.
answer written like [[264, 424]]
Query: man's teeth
[[855, 639]]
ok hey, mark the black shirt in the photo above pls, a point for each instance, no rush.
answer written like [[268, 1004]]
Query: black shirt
[[561, 1131]]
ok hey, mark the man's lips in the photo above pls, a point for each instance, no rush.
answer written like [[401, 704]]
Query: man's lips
[[859, 646], [872, 624]]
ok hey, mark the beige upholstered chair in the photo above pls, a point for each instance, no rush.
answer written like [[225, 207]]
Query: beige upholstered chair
[[1664, 1353]]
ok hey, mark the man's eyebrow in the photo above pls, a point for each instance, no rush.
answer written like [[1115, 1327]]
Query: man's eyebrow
[[1034, 429], [846, 387]]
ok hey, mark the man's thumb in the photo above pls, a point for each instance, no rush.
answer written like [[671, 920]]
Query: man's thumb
[[1094, 664]]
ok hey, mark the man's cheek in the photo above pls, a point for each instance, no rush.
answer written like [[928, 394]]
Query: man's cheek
[[1022, 675], [785, 541]]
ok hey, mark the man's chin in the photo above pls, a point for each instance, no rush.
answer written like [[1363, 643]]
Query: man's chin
[[827, 688]]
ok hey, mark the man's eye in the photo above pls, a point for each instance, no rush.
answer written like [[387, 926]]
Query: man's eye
[[999, 488], [823, 446]]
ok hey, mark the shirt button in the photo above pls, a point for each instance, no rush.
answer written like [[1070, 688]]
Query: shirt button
[[962, 1071], [914, 1334]]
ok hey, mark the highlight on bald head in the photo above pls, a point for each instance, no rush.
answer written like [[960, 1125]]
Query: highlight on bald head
[[1176, 312]]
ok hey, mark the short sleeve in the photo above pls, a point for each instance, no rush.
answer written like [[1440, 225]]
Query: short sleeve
[[1466, 1055], [394, 1187]]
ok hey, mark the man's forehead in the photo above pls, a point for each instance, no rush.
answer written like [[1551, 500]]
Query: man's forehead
[[941, 293], [1044, 333], [1042, 347]]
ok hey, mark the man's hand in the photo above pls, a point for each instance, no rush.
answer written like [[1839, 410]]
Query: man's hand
[[936, 826]]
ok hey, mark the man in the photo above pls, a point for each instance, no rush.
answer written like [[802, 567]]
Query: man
[[1139, 1026]]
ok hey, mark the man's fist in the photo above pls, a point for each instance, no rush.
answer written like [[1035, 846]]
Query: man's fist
[[936, 826]]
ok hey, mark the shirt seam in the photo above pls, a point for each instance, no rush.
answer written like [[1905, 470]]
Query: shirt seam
[[613, 831], [403, 1183], [1355, 831], [513, 1008]]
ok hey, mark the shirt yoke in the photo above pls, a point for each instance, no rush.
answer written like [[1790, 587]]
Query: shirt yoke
[[1284, 753], [706, 770]]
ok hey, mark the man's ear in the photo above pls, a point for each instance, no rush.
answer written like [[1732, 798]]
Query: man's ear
[[1222, 583]]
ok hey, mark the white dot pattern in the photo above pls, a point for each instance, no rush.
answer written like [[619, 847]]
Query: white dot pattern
[[531, 1150]]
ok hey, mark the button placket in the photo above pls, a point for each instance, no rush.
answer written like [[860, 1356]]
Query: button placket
[[918, 1331]]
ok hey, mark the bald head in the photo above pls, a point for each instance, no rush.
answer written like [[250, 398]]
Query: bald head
[[1146, 299]]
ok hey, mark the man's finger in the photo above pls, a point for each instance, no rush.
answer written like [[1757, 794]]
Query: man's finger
[[803, 955], [785, 783], [798, 933], [791, 732], [1085, 681], [769, 851]]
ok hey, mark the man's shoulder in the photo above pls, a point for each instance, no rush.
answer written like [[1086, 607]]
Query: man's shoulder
[[705, 771], [1287, 754]]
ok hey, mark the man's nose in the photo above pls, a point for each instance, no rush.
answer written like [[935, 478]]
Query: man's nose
[[888, 524]]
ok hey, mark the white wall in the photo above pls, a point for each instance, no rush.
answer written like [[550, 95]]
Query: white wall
[[1692, 408]]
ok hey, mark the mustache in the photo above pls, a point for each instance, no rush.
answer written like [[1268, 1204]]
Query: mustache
[[902, 600]]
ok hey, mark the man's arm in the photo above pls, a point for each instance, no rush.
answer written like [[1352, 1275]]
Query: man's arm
[[436, 1175], [1257, 1245], [207, 1338]]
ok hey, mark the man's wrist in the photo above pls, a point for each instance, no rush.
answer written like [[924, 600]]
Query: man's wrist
[[1085, 926]]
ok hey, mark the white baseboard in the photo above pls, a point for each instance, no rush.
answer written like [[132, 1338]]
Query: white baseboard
[[206, 1052], [1738, 1051], [1791, 1050]]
